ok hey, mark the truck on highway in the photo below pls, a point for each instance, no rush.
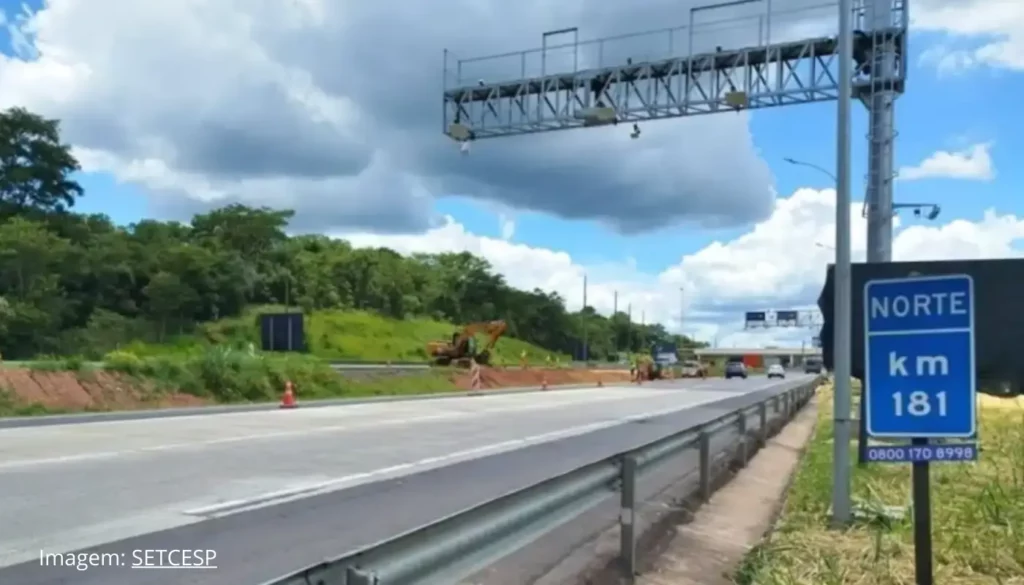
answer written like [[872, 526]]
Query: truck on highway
[[693, 369], [813, 365]]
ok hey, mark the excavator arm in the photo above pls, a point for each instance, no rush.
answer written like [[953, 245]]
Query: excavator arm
[[460, 349], [494, 329]]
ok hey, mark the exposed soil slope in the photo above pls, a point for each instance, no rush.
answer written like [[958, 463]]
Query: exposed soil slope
[[84, 391], [97, 390]]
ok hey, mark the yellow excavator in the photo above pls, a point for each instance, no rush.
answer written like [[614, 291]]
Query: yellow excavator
[[647, 368], [461, 350]]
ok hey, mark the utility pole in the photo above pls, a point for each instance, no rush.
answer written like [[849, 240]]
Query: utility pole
[[615, 315], [643, 329], [629, 328], [583, 317], [682, 310]]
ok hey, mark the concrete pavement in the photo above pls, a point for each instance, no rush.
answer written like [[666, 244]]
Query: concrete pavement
[[64, 488]]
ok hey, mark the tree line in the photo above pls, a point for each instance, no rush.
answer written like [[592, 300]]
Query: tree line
[[78, 284]]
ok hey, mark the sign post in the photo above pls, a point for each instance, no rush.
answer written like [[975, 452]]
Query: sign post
[[920, 367]]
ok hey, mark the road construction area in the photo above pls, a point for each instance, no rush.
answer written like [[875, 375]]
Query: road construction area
[[272, 491], [75, 391]]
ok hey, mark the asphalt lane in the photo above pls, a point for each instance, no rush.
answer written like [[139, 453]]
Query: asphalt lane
[[267, 490]]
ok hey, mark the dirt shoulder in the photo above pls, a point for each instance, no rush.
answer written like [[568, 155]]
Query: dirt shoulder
[[493, 378], [26, 391], [22, 390]]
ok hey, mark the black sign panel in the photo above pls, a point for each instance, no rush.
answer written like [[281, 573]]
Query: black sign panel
[[282, 332], [786, 317], [999, 318], [755, 319]]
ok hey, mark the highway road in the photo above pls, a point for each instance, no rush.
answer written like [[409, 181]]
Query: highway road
[[275, 490]]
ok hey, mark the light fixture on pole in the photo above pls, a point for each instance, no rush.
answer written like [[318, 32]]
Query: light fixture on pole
[[933, 209]]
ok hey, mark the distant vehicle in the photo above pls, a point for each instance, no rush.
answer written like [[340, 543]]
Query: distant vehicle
[[693, 369], [813, 366], [735, 370], [776, 371]]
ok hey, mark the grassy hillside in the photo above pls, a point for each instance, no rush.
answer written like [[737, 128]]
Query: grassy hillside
[[344, 336]]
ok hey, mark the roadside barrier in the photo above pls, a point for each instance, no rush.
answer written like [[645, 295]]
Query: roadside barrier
[[457, 546]]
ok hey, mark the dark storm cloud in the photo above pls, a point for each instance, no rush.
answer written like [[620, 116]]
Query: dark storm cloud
[[231, 123]]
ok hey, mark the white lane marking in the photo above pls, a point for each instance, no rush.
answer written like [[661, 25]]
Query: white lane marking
[[21, 463], [225, 440], [281, 496], [78, 457]]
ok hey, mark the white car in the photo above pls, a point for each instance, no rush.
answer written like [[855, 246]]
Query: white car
[[776, 371]]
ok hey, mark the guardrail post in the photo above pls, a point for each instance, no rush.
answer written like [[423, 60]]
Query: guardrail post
[[355, 576], [785, 406], [763, 411], [705, 466], [775, 404], [743, 436], [627, 518]]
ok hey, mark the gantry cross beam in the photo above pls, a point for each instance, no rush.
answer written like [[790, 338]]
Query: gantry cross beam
[[781, 74], [769, 75]]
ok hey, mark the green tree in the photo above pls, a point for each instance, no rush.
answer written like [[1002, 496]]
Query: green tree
[[34, 164], [168, 297]]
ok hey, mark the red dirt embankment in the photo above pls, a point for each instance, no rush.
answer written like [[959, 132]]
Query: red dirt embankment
[[514, 378], [97, 390], [89, 391]]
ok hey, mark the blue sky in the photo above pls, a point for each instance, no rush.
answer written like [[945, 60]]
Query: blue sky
[[941, 111], [936, 113]]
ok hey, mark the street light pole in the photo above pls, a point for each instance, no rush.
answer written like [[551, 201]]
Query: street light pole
[[822, 170], [843, 278]]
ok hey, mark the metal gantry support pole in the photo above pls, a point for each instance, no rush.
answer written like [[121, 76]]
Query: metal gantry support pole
[[880, 101], [843, 285]]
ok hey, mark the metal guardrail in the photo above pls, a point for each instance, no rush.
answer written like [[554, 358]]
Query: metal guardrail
[[452, 548]]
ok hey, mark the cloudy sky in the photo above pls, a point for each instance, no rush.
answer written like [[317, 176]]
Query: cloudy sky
[[333, 108]]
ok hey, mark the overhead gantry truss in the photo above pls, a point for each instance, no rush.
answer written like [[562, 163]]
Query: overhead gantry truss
[[779, 74]]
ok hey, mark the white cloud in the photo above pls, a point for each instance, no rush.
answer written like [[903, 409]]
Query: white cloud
[[996, 28], [300, 104], [974, 163], [774, 266], [508, 226]]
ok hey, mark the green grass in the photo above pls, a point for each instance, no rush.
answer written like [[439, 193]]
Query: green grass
[[977, 519], [226, 375], [342, 336], [219, 363]]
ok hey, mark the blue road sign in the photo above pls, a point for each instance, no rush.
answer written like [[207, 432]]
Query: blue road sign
[[919, 357], [917, 453]]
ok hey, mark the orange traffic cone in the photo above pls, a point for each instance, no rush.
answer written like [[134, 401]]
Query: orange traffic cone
[[288, 399]]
